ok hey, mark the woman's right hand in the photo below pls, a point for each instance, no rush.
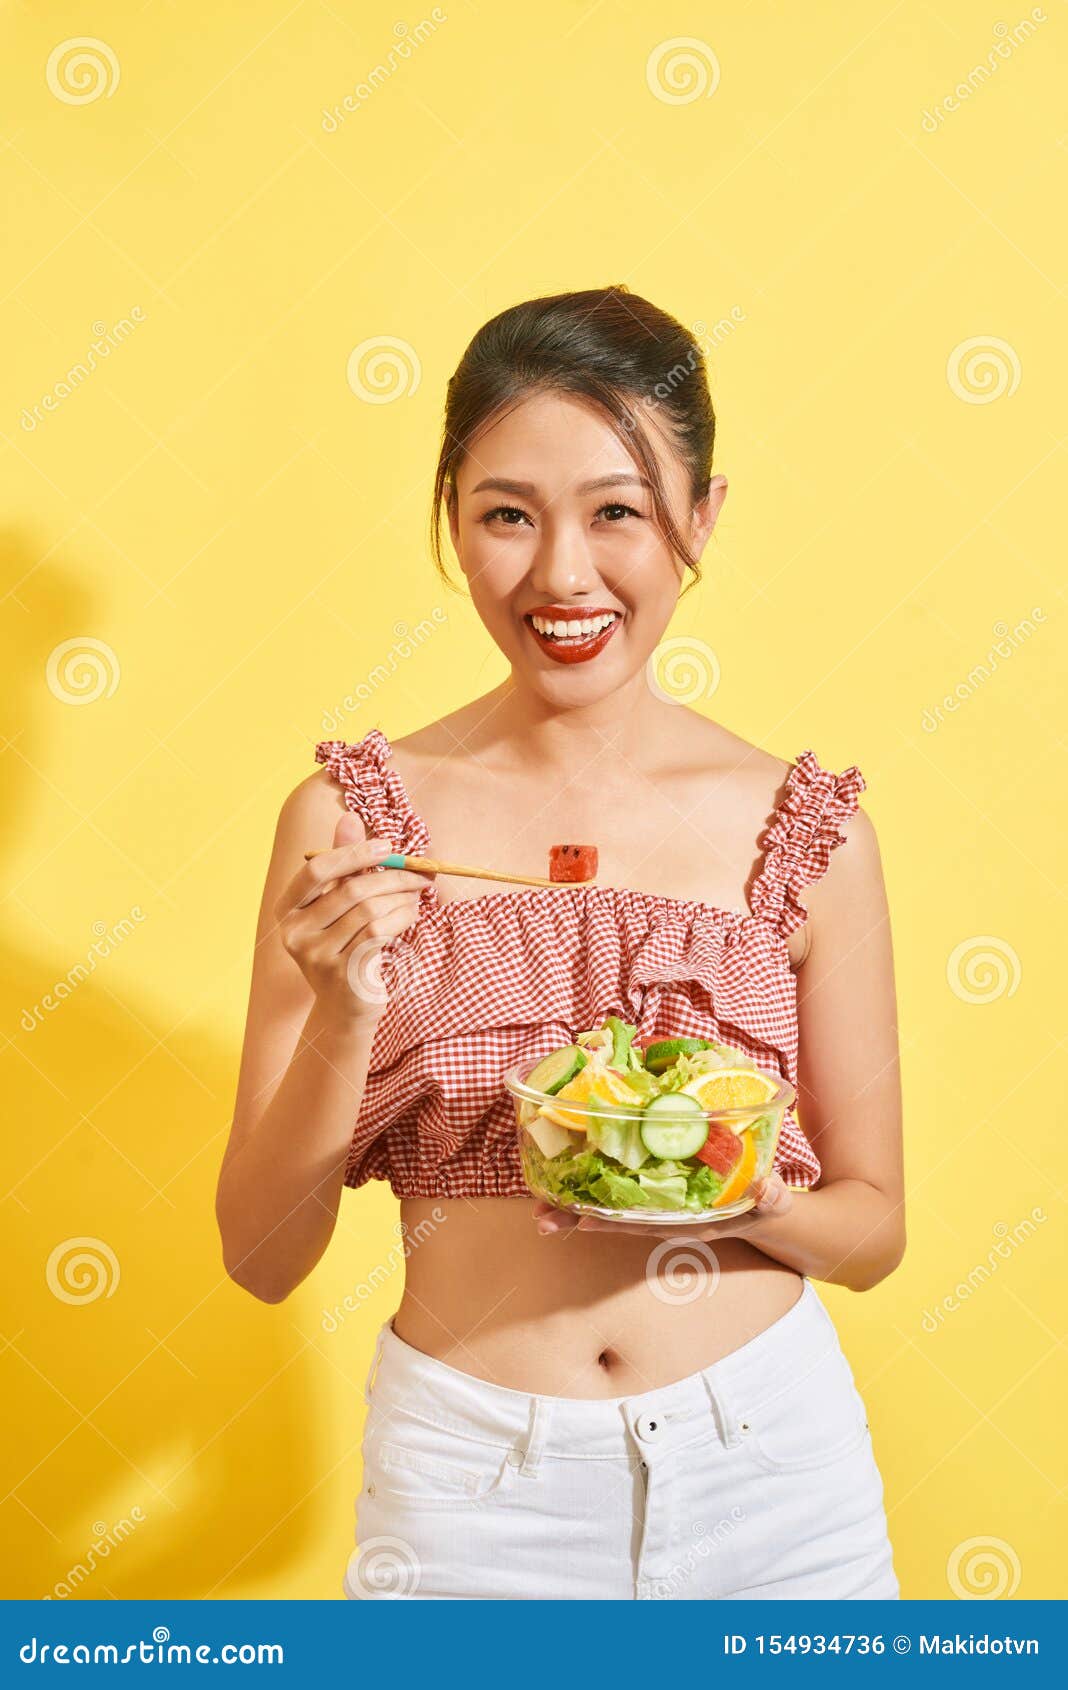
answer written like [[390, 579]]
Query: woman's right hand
[[336, 914]]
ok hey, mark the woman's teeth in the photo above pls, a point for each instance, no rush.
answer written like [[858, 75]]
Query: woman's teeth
[[572, 631]]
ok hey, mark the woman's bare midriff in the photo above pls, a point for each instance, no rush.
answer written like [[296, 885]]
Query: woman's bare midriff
[[576, 1314]]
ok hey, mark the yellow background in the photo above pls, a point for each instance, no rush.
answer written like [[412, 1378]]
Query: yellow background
[[244, 533]]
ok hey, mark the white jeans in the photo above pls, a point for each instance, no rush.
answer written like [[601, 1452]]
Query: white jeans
[[753, 1478]]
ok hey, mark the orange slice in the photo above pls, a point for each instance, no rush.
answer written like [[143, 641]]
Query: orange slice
[[742, 1174], [592, 1084], [731, 1088]]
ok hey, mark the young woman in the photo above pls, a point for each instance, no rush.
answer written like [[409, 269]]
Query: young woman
[[560, 1409]]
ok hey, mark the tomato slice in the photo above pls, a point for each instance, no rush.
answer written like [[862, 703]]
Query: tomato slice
[[722, 1149]]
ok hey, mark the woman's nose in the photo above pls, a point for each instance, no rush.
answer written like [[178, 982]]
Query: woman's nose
[[563, 568]]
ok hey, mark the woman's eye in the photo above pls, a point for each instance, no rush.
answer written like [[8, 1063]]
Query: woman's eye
[[512, 516], [506, 513]]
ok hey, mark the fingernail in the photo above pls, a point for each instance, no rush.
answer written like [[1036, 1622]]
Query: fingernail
[[548, 1226]]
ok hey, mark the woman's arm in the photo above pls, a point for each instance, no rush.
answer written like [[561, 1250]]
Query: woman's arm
[[851, 1229], [307, 1046], [298, 1092]]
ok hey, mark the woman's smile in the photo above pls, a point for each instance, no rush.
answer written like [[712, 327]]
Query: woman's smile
[[572, 633]]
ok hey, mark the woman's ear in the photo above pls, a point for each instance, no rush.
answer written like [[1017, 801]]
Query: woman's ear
[[706, 511]]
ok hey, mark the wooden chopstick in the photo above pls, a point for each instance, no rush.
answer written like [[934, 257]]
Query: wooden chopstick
[[432, 865]]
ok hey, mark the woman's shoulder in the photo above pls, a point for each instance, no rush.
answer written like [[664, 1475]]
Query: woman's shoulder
[[448, 749], [345, 769], [759, 794], [313, 806], [730, 757], [724, 766]]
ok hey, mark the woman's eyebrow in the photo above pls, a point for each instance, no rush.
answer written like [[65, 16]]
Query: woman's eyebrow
[[500, 485], [620, 479], [527, 489]]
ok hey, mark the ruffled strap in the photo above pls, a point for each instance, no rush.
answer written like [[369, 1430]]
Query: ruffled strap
[[374, 790], [804, 830]]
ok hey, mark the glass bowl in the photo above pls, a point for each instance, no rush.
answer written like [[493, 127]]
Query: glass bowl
[[562, 1166]]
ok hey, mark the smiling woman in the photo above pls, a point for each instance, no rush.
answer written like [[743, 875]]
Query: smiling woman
[[542, 1384]]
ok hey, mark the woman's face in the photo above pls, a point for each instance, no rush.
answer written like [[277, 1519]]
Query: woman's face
[[555, 532]]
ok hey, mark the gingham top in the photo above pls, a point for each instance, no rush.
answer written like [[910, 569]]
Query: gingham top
[[476, 985]]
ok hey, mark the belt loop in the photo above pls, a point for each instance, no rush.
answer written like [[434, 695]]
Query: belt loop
[[540, 1413], [375, 1359], [728, 1429]]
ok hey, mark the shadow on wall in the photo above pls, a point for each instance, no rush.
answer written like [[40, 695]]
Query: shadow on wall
[[157, 1434]]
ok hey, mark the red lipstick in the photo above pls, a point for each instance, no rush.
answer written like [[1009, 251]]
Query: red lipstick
[[563, 647]]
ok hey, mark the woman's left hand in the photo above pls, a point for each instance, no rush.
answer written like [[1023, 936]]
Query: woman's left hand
[[772, 1199]]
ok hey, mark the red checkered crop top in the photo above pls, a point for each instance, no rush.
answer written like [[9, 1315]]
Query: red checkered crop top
[[476, 985]]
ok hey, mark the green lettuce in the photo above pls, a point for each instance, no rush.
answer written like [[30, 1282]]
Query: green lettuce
[[664, 1187], [622, 1037], [620, 1191], [586, 1176], [703, 1187], [618, 1137]]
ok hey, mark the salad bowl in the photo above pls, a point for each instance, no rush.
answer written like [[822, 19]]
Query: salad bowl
[[680, 1132]]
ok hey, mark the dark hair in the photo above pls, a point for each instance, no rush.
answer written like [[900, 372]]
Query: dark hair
[[605, 346]]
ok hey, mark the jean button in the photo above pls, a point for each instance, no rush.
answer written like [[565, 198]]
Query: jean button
[[648, 1427]]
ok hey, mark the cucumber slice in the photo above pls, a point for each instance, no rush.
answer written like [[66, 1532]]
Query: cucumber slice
[[552, 1073], [674, 1126], [662, 1054]]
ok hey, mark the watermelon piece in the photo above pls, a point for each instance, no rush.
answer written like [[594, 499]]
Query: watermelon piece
[[722, 1149], [568, 863]]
